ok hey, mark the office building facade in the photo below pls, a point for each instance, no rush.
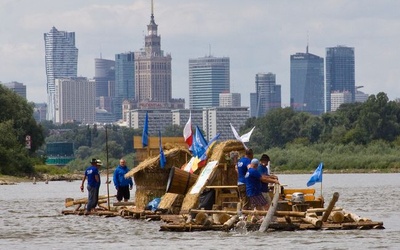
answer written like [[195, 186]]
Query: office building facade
[[340, 72], [17, 87], [307, 83], [104, 74], [218, 119], [61, 60], [268, 93], [75, 100], [124, 81], [229, 100], [208, 77], [338, 98]]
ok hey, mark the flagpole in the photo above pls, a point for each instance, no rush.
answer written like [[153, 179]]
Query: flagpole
[[321, 189], [108, 182]]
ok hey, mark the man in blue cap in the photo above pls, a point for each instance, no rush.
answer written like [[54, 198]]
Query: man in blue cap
[[93, 186], [253, 186]]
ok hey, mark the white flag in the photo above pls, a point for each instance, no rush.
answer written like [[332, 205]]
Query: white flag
[[243, 138]]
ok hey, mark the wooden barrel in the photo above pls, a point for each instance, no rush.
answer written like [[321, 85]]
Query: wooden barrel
[[179, 181]]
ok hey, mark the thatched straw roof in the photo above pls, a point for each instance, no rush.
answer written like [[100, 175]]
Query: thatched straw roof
[[172, 156], [219, 176]]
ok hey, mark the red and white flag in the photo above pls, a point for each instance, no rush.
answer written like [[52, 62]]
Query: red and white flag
[[187, 131]]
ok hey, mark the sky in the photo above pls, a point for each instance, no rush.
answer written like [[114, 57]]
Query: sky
[[257, 35]]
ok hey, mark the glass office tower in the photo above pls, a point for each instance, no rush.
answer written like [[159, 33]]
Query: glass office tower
[[340, 72], [61, 59], [307, 83]]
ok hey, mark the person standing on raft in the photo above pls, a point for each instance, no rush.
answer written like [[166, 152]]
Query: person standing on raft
[[122, 184]]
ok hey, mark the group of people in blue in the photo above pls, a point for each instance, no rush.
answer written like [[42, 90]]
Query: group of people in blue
[[92, 175], [253, 178]]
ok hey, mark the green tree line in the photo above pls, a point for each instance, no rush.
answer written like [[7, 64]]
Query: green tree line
[[17, 122], [357, 135]]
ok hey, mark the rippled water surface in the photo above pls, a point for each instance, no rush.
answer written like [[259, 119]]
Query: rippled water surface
[[30, 218]]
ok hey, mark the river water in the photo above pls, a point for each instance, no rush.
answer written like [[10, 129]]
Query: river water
[[30, 218]]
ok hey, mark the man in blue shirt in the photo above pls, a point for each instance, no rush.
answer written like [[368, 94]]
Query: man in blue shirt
[[93, 186], [122, 184], [241, 169], [264, 169], [253, 186]]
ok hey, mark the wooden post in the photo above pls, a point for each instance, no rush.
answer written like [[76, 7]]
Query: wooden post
[[317, 223], [271, 211], [330, 206]]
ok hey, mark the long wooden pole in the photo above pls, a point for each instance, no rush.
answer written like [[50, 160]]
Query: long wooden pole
[[271, 211], [107, 182], [330, 206]]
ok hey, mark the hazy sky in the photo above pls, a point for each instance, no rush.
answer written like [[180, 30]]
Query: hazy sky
[[258, 36]]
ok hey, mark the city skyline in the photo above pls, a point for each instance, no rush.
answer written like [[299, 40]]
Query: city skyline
[[257, 36]]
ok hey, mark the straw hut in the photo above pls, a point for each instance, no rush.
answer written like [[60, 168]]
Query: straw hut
[[223, 174], [151, 180]]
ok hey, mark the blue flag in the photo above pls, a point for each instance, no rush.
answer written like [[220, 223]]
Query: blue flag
[[204, 156], [163, 160], [316, 176], [199, 144], [145, 134]]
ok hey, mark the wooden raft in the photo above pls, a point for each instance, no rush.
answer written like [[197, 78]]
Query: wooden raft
[[332, 218]]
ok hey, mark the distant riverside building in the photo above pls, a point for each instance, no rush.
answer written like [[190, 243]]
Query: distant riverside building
[[340, 71], [17, 87], [158, 119], [307, 83], [217, 119], [75, 100], [253, 105], [103, 116], [104, 73], [208, 77], [229, 100], [338, 98], [124, 81], [61, 59], [153, 78], [181, 116], [361, 96], [268, 93], [39, 111]]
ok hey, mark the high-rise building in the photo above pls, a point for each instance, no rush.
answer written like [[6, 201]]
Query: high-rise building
[[124, 81], [208, 77], [75, 100], [268, 93], [340, 71], [17, 87], [61, 59], [104, 73], [229, 100], [152, 71], [253, 105], [307, 83]]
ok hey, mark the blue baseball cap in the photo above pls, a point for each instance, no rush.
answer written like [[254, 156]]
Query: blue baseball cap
[[255, 161]]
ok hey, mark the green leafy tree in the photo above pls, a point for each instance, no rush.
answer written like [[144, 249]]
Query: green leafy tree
[[16, 123]]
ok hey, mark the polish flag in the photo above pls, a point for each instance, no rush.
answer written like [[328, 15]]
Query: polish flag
[[187, 131]]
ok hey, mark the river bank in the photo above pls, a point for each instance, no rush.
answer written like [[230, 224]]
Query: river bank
[[7, 179]]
